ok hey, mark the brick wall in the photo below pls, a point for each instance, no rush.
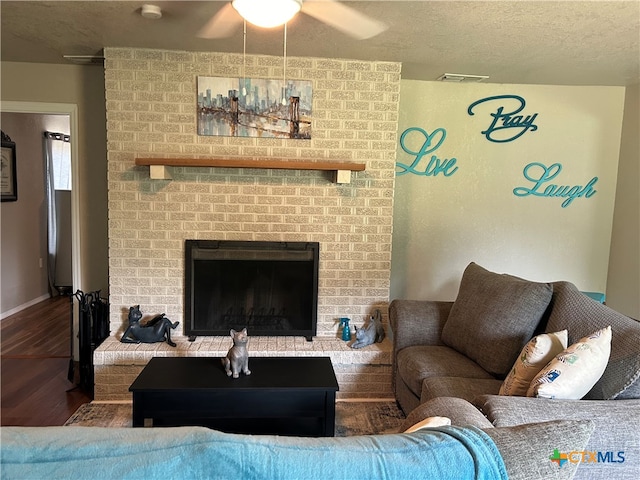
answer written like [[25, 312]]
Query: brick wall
[[151, 102], [361, 373]]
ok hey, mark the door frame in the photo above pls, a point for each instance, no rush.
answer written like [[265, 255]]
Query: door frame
[[70, 109]]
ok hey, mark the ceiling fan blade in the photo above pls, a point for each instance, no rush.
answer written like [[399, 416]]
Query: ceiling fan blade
[[343, 18], [223, 24]]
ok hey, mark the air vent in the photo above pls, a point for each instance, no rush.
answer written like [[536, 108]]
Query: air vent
[[85, 59], [461, 77]]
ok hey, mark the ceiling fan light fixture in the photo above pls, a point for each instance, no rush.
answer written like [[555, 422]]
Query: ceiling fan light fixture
[[267, 14]]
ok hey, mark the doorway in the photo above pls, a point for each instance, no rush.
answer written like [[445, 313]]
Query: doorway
[[69, 113]]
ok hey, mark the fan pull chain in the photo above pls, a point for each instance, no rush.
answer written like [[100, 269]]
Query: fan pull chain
[[284, 75], [244, 60]]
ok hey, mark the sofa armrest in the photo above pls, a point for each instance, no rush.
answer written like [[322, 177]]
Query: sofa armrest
[[617, 422], [417, 322], [459, 411]]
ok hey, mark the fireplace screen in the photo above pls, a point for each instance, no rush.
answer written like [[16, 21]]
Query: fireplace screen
[[271, 288]]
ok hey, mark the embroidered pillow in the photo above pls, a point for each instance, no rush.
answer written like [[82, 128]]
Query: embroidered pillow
[[534, 356], [576, 370]]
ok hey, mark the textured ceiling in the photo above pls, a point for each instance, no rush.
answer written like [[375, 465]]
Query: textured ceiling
[[532, 42]]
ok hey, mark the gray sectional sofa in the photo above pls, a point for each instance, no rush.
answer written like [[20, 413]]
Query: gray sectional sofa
[[446, 453], [450, 359]]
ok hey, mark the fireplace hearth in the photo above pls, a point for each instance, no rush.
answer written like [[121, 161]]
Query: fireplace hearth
[[271, 288]]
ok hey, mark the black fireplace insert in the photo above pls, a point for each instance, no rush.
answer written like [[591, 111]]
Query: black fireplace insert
[[271, 288]]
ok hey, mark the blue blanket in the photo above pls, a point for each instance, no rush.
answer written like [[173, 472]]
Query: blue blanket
[[199, 453]]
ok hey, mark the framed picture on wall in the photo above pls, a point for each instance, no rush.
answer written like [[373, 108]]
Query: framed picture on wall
[[254, 107], [8, 178]]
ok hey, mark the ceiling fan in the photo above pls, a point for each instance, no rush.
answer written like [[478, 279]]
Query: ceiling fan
[[335, 14]]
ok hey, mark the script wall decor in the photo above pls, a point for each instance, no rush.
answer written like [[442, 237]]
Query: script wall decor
[[430, 143], [506, 126], [540, 175]]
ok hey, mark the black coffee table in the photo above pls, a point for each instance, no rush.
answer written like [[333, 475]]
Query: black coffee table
[[282, 396]]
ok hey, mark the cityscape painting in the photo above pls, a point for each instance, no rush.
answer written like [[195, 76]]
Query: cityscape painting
[[250, 107]]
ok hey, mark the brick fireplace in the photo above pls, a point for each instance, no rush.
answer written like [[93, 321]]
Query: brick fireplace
[[151, 98]]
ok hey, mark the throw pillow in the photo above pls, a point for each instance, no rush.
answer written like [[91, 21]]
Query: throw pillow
[[494, 316], [574, 371], [541, 450], [534, 356], [581, 315]]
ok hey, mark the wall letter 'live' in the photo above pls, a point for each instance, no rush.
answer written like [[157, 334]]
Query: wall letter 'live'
[[430, 143]]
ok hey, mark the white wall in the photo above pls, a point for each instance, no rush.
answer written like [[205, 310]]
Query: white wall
[[443, 223], [82, 86], [623, 285]]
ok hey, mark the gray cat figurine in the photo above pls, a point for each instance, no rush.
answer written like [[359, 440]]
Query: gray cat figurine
[[237, 359], [372, 332]]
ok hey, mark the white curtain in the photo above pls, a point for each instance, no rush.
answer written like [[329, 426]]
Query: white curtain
[[57, 153]]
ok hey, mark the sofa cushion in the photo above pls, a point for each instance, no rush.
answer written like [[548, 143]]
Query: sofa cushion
[[581, 315], [419, 362], [527, 450], [572, 373], [465, 388], [616, 426], [539, 351], [494, 316]]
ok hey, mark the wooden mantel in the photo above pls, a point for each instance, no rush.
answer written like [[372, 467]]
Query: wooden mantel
[[158, 166]]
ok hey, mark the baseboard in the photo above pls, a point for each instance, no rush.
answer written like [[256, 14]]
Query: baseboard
[[361, 400], [19, 308], [109, 402], [342, 400]]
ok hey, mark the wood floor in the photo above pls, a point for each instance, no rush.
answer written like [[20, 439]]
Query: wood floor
[[34, 365]]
